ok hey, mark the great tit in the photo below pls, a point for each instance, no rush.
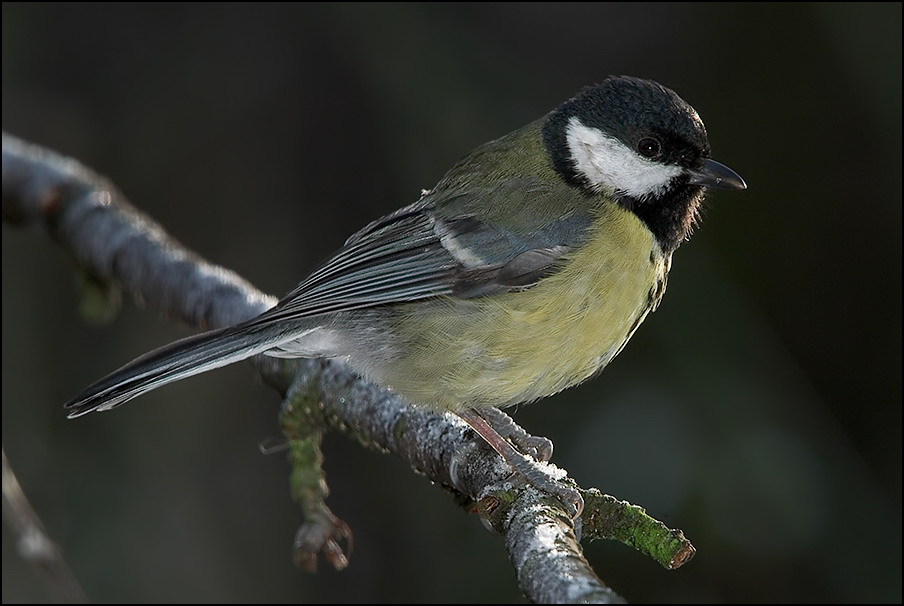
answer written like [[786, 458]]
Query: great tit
[[523, 272]]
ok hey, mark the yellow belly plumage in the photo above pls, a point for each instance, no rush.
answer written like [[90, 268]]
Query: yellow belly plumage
[[502, 350]]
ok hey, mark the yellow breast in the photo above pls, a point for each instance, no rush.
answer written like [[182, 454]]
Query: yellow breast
[[521, 346]]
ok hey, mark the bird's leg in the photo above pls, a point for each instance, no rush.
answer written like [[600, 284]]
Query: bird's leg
[[538, 447], [523, 465]]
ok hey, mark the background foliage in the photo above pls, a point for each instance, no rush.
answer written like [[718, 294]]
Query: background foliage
[[759, 409]]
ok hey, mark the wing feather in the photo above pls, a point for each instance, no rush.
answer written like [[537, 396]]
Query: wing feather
[[429, 249]]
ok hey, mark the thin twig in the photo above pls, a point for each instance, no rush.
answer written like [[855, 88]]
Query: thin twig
[[32, 541]]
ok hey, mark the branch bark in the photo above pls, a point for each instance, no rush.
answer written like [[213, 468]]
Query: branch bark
[[118, 246]]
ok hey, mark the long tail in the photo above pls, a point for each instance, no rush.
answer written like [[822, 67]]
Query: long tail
[[178, 360]]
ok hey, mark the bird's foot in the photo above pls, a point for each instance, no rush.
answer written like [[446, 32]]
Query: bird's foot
[[525, 466], [537, 447]]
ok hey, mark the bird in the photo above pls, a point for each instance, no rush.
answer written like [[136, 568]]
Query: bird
[[523, 272]]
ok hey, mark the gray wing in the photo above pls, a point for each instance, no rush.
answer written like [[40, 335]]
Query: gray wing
[[467, 244], [435, 247]]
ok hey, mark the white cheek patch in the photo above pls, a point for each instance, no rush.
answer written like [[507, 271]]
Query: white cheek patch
[[611, 166]]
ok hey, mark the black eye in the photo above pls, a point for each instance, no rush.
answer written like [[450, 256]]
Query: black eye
[[649, 147]]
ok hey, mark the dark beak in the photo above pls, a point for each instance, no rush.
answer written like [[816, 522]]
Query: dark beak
[[716, 175]]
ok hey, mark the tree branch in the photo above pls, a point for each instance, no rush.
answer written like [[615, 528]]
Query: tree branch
[[117, 246], [32, 541]]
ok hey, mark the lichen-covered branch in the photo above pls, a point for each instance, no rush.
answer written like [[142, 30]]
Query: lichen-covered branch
[[117, 246]]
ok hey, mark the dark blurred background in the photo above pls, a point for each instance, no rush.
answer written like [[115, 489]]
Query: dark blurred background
[[759, 409]]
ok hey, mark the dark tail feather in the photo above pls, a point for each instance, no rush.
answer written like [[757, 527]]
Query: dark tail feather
[[184, 358]]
